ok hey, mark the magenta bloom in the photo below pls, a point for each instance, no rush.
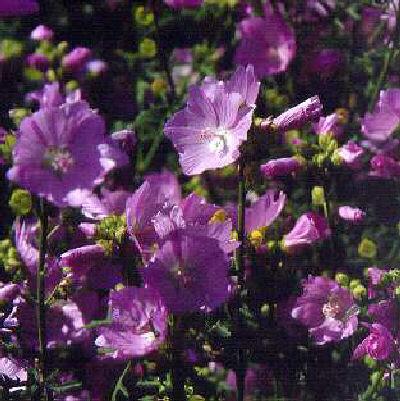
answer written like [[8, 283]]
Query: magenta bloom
[[183, 3], [42, 32], [329, 125], [299, 115], [190, 273], [327, 62], [309, 228], [351, 214], [59, 150], [208, 132], [351, 154], [280, 167], [384, 312], [327, 309], [138, 323], [267, 42], [76, 59], [9, 8], [265, 210], [378, 345]]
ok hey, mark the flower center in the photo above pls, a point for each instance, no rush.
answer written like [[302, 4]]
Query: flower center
[[217, 139], [332, 308], [59, 160], [181, 278]]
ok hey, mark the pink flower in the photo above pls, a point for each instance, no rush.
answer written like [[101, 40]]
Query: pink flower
[[280, 167], [351, 153], [42, 32]]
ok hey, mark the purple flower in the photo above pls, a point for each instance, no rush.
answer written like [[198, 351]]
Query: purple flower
[[159, 191], [38, 61], [109, 202], [215, 121], [384, 312], [352, 214], [42, 32], [299, 115], [280, 167], [378, 345], [88, 266], [327, 309], [9, 8], [138, 323], [96, 67], [265, 210], [76, 59], [9, 291], [309, 228], [59, 150], [384, 167], [190, 273], [267, 42], [351, 153], [13, 369], [49, 96], [329, 125], [183, 3]]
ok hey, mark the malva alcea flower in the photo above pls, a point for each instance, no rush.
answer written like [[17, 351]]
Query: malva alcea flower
[[378, 345], [190, 273], [280, 167], [215, 121], [327, 309], [309, 228], [59, 150], [266, 42], [138, 323], [351, 214]]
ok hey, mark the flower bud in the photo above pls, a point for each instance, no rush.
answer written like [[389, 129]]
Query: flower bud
[[42, 32], [281, 167], [367, 249], [20, 202], [359, 292], [343, 279], [354, 283], [318, 196], [147, 48], [143, 17], [159, 86]]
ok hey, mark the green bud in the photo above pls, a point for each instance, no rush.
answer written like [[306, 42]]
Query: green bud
[[376, 378], [143, 16], [71, 85], [354, 283], [336, 159], [370, 362], [367, 249], [397, 292], [20, 202], [12, 261], [62, 47], [147, 48], [319, 159], [17, 114], [318, 196], [10, 48], [359, 292], [343, 279]]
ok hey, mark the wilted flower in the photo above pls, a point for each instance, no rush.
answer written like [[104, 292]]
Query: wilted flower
[[75, 60], [327, 309], [378, 345], [282, 167], [10, 8], [329, 125], [299, 115], [138, 323], [352, 214], [209, 131], [59, 150], [190, 273], [42, 32], [266, 42], [309, 228]]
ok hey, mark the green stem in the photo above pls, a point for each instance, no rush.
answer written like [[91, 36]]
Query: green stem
[[40, 301], [119, 386], [240, 253]]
